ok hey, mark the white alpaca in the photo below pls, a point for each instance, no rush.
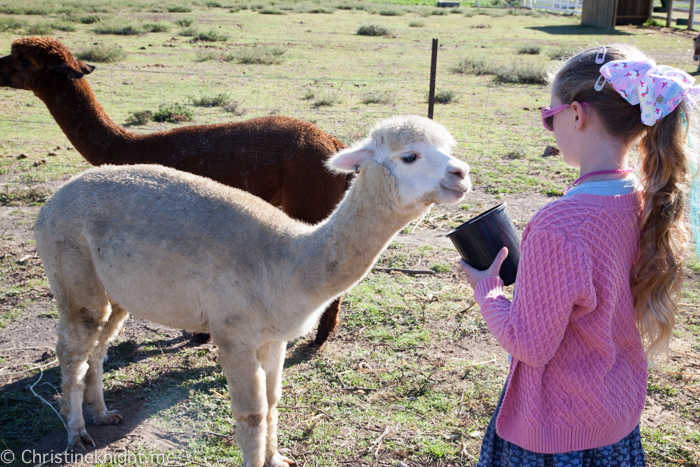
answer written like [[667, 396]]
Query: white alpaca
[[191, 253]]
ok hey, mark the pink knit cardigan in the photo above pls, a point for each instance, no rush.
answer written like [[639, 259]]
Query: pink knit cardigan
[[578, 373]]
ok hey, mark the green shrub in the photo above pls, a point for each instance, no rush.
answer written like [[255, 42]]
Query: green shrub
[[204, 36], [416, 24], [373, 30], [392, 12], [118, 27], [271, 11], [562, 53], [309, 94], [38, 30], [10, 24], [473, 66], [90, 19], [160, 26], [529, 50], [102, 53], [63, 26], [140, 117], [211, 55], [185, 22], [178, 9], [261, 56], [188, 32], [446, 96], [173, 113], [379, 97], [213, 5], [26, 8], [439, 12], [217, 100], [322, 10], [211, 36], [234, 107], [327, 99], [521, 74]]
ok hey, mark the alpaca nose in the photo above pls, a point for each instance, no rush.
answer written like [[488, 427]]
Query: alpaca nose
[[460, 171]]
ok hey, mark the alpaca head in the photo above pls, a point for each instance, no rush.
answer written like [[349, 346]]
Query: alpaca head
[[33, 58], [415, 151]]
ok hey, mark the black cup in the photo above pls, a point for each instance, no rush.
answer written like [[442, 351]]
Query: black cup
[[480, 239]]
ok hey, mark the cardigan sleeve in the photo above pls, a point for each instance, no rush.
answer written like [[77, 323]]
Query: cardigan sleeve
[[554, 276]]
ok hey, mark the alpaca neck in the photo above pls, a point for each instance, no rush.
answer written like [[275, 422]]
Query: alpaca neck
[[344, 248], [83, 120]]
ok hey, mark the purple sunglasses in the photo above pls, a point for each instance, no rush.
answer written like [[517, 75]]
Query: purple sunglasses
[[549, 113]]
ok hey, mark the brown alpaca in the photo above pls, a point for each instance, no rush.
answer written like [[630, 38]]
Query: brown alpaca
[[279, 159]]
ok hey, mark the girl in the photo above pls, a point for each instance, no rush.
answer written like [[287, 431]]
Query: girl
[[600, 268]]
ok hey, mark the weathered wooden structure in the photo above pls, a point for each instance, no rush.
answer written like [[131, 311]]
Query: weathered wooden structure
[[609, 13]]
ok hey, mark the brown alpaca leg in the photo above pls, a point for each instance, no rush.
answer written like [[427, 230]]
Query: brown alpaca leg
[[200, 337], [328, 323], [93, 379], [246, 385], [271, 357]]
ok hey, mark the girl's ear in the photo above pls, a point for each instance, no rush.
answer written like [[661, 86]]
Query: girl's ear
[[355, 158], [580, 114]]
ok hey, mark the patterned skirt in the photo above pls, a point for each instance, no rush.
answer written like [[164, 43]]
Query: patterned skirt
[[497, 452]]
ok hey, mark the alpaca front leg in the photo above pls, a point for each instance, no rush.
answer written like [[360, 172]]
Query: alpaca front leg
[[246, 385], [271, 356]]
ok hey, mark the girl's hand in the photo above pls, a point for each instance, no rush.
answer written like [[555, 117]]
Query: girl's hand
[[474, 276]]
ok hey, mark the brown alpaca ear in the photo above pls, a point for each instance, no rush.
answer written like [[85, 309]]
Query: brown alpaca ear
[[71, 71]]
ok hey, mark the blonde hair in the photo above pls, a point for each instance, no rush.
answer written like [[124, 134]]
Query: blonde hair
[[665, 169]]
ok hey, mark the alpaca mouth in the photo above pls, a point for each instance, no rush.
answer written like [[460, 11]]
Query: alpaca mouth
[[457, 192]]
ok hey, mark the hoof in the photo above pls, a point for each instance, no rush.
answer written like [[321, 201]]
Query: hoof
[[76, 438], [109, 417], [200, 338], [314, 345], [278, 460]]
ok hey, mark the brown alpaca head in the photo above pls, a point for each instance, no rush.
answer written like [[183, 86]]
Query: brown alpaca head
[[34, 59]]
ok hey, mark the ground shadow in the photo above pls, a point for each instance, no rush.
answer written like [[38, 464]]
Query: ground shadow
[[29, 425], [578, 30], [302, 351]]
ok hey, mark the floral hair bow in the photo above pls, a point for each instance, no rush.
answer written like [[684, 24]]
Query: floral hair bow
[[657, 89]]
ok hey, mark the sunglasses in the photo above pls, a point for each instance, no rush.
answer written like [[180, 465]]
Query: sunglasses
[[548, 114]]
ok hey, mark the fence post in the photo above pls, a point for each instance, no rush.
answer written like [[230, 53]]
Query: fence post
[[691, 15], [433, 66], [669, 13]]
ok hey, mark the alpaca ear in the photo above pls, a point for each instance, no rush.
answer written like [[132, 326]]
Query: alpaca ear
[[353, 159], [71, 71]]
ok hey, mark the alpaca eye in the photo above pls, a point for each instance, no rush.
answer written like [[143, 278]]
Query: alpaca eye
[[408, 158]]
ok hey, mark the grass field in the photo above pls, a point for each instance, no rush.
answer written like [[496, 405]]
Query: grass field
[[412, 375]]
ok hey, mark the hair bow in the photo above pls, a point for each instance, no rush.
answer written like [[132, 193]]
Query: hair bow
[[657, 89]]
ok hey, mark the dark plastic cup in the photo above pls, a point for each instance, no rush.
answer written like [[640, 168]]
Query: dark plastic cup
[[481, 238]]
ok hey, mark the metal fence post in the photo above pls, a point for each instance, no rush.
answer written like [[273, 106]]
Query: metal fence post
[[669, 13], [433, 66]]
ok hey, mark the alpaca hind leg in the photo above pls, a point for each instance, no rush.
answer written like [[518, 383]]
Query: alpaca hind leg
[[84, 310], [271, 357], [327, 324], [246, 385], [94, 397], [78, 332]]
